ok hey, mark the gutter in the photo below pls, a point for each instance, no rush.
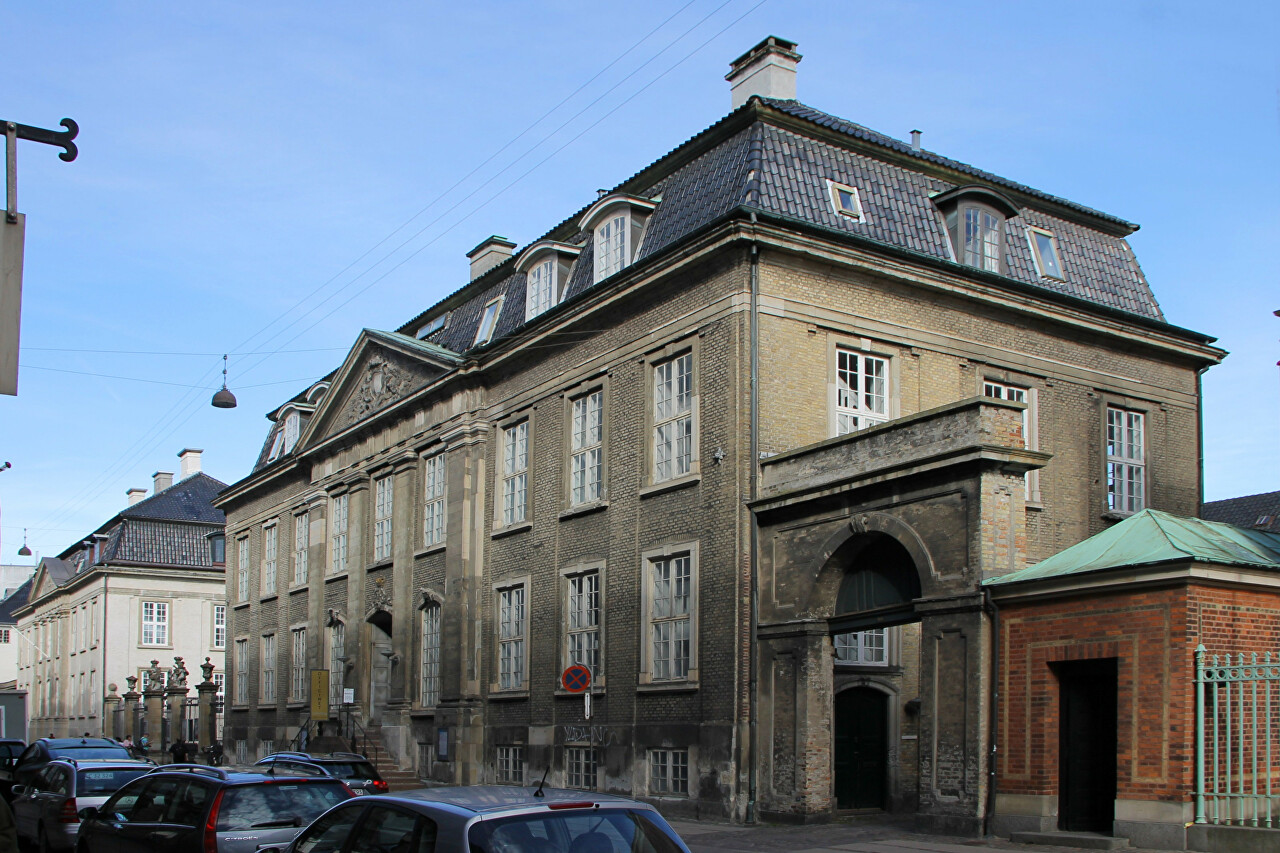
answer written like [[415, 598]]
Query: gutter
[[993, 610], [754, 617]]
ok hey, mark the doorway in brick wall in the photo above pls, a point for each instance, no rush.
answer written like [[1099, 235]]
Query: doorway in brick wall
[[861, 753], [1086, 744]]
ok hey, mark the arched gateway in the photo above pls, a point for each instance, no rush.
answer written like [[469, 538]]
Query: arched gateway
[[872, 641]]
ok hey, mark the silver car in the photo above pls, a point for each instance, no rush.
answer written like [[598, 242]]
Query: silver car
[[489, 819], [45, 811]]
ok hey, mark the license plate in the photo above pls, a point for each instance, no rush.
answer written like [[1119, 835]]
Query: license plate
[[359, 792]]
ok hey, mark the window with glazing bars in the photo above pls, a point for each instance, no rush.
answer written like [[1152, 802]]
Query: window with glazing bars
[[301, 547], [430, 655], [511, 622], [155, 623], [586, 471], [382, 509], [511, 765], [982, 238], [298, 661], [1126, 460], [539, 289], [584, 620], [580, 767], [269, 541], [515, 472], [673, 418], [337, 662], [670, 623], [669, 772], [242, 671], [219, 626], [611, 247], [864, 647], [433, 518], [862, 391], [338, 542], [268, 668]]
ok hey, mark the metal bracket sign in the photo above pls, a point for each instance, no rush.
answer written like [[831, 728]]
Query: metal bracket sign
[[12, 233]]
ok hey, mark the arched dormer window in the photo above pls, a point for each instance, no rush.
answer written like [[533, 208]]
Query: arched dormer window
[[291, 422], [546, 267], [975, 218], [616, 223]]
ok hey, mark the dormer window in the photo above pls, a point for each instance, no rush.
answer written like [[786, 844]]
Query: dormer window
[[291, 422], [975, 218], [845, 200], [546, 267], [1044, 248], [432, 326], [616, 223], [277, 445], [488, 321]]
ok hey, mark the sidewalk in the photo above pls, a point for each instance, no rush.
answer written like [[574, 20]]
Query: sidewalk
[[878, 834]]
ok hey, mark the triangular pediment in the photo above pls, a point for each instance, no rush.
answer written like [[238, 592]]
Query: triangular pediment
[[381, 370]]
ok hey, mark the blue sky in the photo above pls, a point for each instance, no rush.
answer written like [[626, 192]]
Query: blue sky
[[243, 162]]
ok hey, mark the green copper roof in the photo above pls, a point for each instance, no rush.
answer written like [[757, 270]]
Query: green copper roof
[[433, 350], [1152, 537]]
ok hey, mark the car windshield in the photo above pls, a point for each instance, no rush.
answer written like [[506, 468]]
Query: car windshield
[[79, 752], [90, 783], [277, 804], [351, 769], [585, 831]]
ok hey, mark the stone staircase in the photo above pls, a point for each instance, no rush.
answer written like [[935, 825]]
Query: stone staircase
[[396, 779]]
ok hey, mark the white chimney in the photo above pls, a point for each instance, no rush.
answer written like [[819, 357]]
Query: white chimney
[[489, 254], [135, 495], [160, 481], [767, 70], [190, 462]]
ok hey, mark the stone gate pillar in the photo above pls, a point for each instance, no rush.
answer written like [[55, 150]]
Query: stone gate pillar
[[131, 697], [109, 707], [206, 690], [153, 701]]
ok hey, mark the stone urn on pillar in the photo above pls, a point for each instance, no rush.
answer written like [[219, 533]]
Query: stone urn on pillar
[[153, 701], [207, 692], [176, 698], [131, 698]]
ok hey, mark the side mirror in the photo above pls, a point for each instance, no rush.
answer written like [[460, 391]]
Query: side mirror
[[87, 813], [19, 790]]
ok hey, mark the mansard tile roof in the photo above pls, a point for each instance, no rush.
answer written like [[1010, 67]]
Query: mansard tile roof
[[1247, 511], [14, 600], [186, 500]]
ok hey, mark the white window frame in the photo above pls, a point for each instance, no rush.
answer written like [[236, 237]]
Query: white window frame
[[612, 244], [267, 666], [340, 510], [586, 448], [514, 471], [155, 623], [298, 664], [668, 621], [432, 326], [674, 402], [581, 767], [383, 513], [863, 390], [853, 207], [301, 548], [488, 321], [434, 496], [584, 600], [242, 671], [511, 619], [864, 648], [1001, 390], [540, 287], [981, 233], [429, 633], [219, 626], [337, 663], [242, 568], [1126, 449], [291, 424], [270, 550], [669, 772], [1045, 270], [509, 765]]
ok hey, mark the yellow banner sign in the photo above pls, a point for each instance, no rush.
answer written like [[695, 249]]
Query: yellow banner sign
[[319, 694]]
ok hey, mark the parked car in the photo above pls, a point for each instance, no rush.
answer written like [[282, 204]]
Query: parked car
[[188, 807], [354, 769], [489, 819], [41, 752], [10, 749], [46, 811]]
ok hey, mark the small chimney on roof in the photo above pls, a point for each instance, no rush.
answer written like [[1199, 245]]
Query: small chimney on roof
[[190, 462], [489, 254], [915, 140], [767, 70], [136, 494], [160, 481]]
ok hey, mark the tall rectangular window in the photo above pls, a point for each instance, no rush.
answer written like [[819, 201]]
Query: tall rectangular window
[[488, 322], [155, 623], [862, 391], [511, 631], [982, 239], [1003, 391], [337, 661], [669, 617], [270, 539], [868, 648], [338, 541], [584, 620], [586, 471], [268, 668], [219, 626], [301, 547], [511, 765], [580, 767], [433, 519], [1126, 460], [242, 568], [430, 655], [611, 247], [673, 418], [383, 496], [242, 671], [540, 289], [298, 670], [515, 473], [669, 772]]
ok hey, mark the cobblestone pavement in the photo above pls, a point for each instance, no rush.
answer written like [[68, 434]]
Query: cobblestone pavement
[[864, 835]]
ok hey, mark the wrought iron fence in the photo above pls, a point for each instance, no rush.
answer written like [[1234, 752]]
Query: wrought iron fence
[[191, 720], [1237, 708]]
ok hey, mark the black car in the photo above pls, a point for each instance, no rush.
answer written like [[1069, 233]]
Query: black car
[[354, 769], [189, 807], [10, 749], [34, 758]]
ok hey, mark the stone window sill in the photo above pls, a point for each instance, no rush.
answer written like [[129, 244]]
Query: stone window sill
[[511, 529], [435, 548], [584, 509], [670, 485], [384, 563], [503, 695], [668, 687]]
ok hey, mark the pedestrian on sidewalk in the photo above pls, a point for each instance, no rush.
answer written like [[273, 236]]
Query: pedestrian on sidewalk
[[179, 752]]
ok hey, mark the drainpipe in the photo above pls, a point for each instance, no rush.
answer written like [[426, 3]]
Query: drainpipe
[[1200, 440], [990, 606], [753, 681]]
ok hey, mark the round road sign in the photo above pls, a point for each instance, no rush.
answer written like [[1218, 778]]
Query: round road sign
[[576, 678]]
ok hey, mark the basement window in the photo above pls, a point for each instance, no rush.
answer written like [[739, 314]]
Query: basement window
[[845, 200], [1044, 248]]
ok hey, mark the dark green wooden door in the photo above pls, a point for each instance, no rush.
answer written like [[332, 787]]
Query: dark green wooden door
[[861, 748], [1087, 745]]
